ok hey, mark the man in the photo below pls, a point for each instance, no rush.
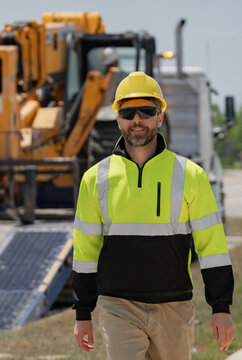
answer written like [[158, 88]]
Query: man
[[110, 58], [135, 215]]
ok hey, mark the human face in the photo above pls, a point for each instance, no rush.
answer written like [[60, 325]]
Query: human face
[[139, 132]]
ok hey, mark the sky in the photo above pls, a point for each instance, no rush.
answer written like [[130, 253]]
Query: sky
[[211, 37]]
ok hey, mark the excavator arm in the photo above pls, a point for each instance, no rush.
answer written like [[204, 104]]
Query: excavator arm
[[95, 89]]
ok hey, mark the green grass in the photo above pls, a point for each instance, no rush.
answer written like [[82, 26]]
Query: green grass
[[204, 344], [54, 335], [49, 336], [231, 163]]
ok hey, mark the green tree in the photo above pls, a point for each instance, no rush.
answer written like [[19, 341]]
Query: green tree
[[230, 147], [217, 116]]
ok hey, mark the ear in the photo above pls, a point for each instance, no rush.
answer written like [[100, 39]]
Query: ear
[[160, 119]]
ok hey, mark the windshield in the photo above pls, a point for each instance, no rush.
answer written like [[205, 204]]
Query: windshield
[[74, 71], [126, 59]]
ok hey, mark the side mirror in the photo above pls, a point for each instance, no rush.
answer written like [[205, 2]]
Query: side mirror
[[229, 111]]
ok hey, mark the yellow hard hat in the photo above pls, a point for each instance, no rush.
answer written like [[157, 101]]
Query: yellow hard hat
[[138, 85]]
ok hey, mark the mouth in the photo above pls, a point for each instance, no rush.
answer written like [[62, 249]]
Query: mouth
[[138, 129]]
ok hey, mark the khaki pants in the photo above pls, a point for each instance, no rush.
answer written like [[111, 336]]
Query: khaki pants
[[138, 331]]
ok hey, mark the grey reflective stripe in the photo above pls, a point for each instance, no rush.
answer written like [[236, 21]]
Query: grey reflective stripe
[[212, 261], [84, 266], [103, 186], [205, 222], [147, 229], [177, 186], [87, 228]]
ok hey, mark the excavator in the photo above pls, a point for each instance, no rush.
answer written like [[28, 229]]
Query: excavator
[[52, 86]]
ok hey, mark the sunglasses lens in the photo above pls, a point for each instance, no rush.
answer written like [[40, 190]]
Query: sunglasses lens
[[127, 113], [144, 112]]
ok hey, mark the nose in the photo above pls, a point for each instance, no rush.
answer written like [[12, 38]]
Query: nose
[[137, 118]]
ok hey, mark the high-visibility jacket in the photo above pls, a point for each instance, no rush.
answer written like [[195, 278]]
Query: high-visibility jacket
[[133, 228]]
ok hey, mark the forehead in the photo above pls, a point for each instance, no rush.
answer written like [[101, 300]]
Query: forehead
[[136, 102]]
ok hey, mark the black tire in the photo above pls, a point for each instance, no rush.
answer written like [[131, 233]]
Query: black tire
[[102, 140]]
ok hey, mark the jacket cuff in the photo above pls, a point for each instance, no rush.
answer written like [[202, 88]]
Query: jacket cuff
[[219, 308], [83, 315]]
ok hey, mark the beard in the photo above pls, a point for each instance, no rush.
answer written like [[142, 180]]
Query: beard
[[136, 139]]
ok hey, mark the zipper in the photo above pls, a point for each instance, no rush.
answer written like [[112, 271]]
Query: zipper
[[140, 173], [140, 177], [158, 199]]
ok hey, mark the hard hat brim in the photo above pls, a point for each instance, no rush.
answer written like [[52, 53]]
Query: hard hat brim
[[115, 105]]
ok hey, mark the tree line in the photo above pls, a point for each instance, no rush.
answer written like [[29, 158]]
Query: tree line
[[228, 147]]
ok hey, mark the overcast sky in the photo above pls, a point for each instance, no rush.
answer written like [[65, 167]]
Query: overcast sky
[[212, 35]]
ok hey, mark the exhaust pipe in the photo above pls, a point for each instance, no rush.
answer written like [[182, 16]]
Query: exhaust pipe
[[179, 54]]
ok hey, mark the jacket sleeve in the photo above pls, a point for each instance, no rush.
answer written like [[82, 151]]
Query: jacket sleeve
[[210, 245], [87, 244]]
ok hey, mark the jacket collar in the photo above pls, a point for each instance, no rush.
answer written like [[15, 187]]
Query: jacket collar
[[120, 150]]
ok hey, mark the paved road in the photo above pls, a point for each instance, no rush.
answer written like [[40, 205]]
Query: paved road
[[235, 356], [233, 193], [233, 203], [233, 208]]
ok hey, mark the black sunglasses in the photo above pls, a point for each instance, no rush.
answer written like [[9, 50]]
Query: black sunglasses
[[144, 112]]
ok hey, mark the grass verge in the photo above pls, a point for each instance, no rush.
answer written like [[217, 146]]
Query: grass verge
[[205, 348]]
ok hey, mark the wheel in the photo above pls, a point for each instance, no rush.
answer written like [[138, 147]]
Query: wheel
[[102, 140]]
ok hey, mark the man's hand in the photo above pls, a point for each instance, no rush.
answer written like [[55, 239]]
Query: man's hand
[[82, 328], [223, 327]]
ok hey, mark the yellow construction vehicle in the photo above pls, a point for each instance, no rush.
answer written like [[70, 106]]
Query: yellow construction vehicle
[[52, 85], [33, 59]]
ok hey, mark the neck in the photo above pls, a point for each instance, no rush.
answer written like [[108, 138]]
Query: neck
[[140, 154]]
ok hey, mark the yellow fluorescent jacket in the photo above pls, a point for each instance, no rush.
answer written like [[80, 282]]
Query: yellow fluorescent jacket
[[133, 229]]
